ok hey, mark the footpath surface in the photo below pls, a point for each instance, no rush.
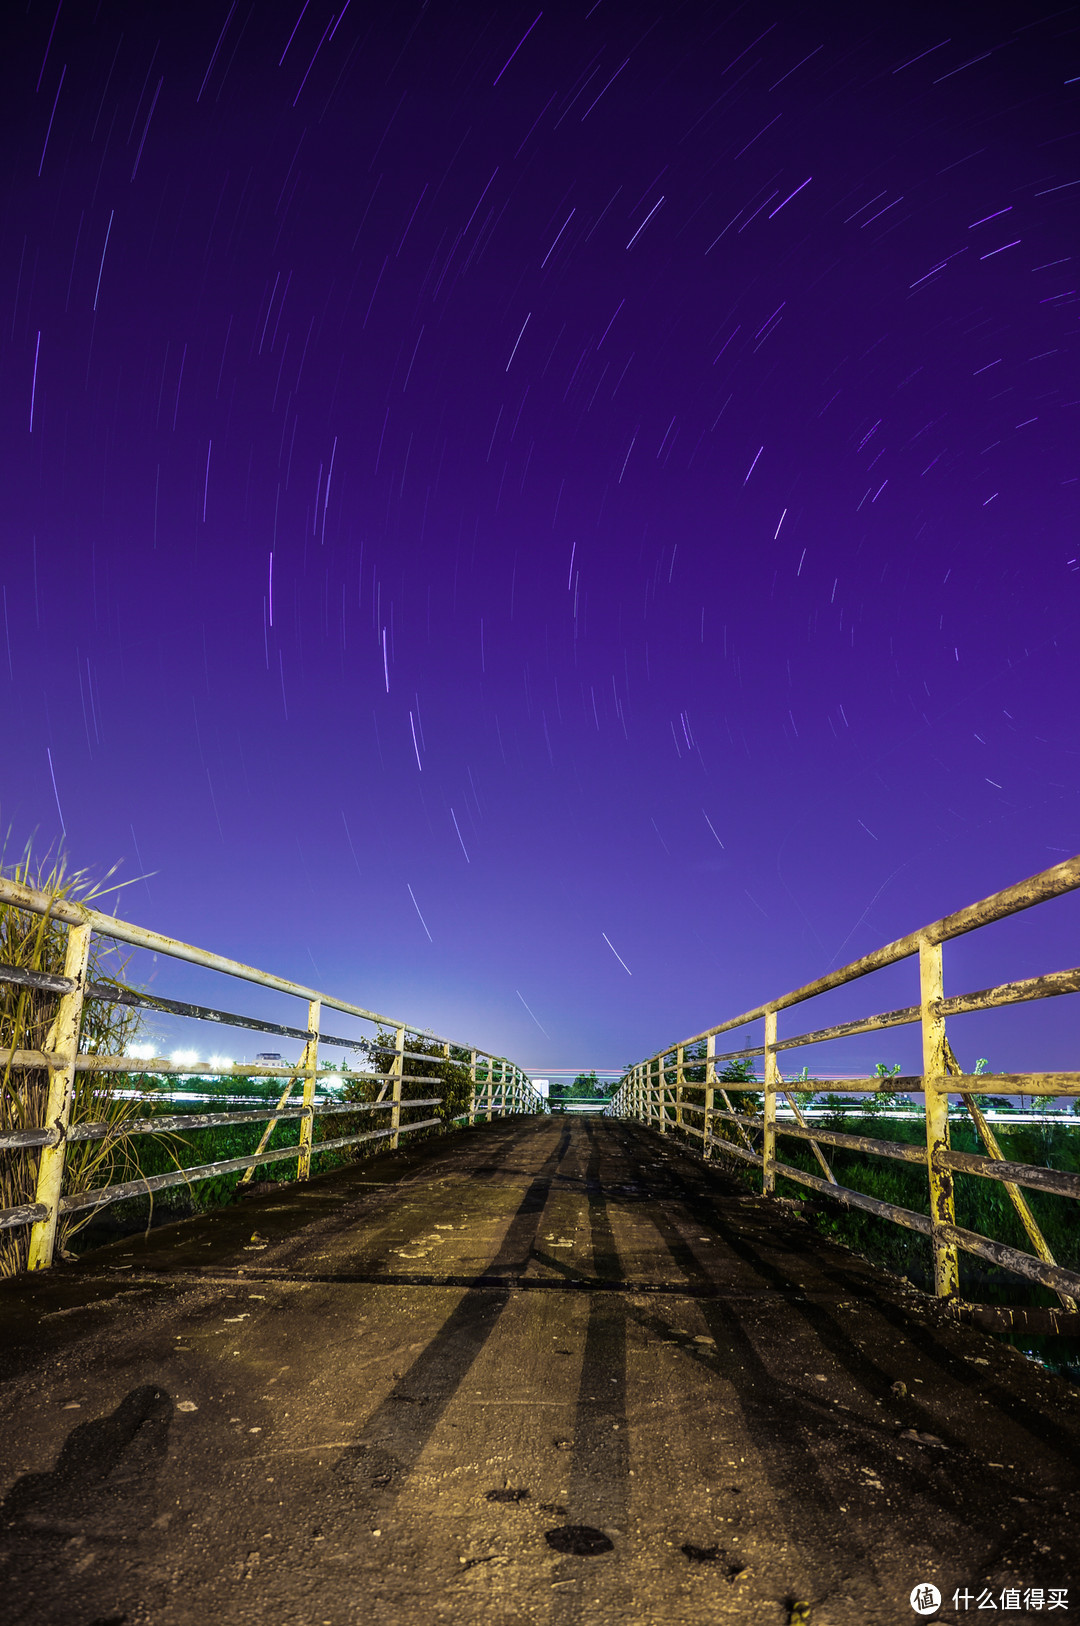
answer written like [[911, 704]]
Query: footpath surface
[[551, 1370]]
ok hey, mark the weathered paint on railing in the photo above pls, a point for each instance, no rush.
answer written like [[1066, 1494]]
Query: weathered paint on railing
[[643, 1093], [61, 1059]]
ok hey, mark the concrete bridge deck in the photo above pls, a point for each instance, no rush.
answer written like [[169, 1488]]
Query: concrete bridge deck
[[551, 1370]]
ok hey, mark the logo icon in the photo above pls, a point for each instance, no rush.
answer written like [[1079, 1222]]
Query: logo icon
[[925, 1598]]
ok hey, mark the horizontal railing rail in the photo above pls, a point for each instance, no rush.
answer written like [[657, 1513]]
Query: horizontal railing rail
[[654, 1092], [496, 1085]]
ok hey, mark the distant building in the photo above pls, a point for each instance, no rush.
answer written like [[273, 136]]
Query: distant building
[[271, 1058], [542, 1086]]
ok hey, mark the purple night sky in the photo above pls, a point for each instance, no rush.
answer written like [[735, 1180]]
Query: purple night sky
[[550, 520]]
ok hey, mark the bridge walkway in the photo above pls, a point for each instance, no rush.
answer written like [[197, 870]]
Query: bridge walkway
[[549, 1370]]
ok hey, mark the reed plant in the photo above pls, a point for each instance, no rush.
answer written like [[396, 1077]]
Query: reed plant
[[37, 943]]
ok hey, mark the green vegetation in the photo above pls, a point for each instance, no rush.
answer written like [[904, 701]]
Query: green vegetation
[[586, 1087], [37, 943], [429, 1060], [981, 1205], [226, 1141]]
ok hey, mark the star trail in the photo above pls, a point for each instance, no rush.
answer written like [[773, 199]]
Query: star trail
[[483, 485]]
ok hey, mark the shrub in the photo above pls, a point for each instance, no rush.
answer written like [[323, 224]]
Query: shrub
[[428, 1059]]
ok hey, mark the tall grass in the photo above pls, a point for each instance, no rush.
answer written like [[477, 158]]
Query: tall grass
[[37, 943]]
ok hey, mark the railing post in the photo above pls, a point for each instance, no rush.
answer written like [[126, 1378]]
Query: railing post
[[936, 1087], [446, 1086], [678, 1085], [472, 1092], [661, 1093], [710, 1080], [397, 1071], [63, 1040], [772, 1080], [309, 1062], [489, 1090]]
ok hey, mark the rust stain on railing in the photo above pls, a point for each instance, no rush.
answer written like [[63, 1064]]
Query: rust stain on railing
[[510, 1092], [645, 1094]]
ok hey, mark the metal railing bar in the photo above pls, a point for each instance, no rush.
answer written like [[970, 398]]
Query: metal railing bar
[[885, 1019], [60, 1060], [1024, 1264], [45, 980], [117, 994], [1013, 1083], [104, 1195], [377, 1106], [738, 1118], [194, 1120], [1048, 883], [859, 1143], [958, 1084], [124, 931], [206, 1013], [374, 1134], [1058, 1181], [1016, 1197], [120, 995], [1049, 986], [483, 1060], [1012, 993], [206, 1171], [857, 1199], [139, 1126], [749, 1086], [1017, 1318], [644, 1090], [735, 1150], [823, 1162], [22, 1060], [25, 1214]]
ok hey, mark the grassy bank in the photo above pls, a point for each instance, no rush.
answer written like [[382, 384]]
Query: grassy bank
[[981, 1205], [150, 1155]]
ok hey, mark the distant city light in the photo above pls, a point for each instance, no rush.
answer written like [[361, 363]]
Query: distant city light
[[141, 1052], [219, 1063], [185, 1056]]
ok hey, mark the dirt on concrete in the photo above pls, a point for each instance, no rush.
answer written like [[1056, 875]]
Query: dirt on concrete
[[547, 1370]]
